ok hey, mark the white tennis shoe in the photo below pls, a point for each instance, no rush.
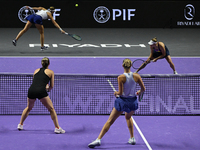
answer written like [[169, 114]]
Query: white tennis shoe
[[97, 142], [132, 141], [58, 131], [20, 127], [175, 72]]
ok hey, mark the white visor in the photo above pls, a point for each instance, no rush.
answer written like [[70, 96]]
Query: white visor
[[151, 42], [51, 10]]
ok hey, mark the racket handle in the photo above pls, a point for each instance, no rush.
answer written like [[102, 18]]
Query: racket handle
[[66, 33]]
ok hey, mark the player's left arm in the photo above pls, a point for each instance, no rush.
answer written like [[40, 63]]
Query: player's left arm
[[54, 22], [121, 81]]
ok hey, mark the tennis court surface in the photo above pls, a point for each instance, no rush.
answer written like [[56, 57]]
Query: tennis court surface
[[100, 55], [161, 132]]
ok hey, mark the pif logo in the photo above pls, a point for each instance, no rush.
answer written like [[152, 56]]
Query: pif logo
[[102, 14], [24, 12]]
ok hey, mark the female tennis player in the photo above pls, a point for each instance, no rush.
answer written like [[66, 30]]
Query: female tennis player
[[36, 19], [126, 101], [158, 51], [38, 89]]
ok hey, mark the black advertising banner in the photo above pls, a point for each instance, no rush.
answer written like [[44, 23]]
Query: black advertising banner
[[110, 14]]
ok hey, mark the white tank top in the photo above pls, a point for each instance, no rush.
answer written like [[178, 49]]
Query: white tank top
[[129, 86], [43, 14]]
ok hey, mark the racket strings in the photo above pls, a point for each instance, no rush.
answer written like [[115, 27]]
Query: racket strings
[[137, 63], [76, 37]]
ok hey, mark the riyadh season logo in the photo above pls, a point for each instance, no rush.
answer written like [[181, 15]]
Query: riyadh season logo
[[24, 12], [189, 12], [101, 14]]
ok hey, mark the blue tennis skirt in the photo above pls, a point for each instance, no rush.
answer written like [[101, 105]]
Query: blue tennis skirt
[[35, 19], [126, 104]]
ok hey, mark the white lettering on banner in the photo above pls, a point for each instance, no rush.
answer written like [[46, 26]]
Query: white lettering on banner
[[129, 13], [55, 13], [118, 13], [149, 103], [188, 23], [155, 104], [89, 45]]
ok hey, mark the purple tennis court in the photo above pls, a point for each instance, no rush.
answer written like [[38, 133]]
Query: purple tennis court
[[168, 117], [160, 132]]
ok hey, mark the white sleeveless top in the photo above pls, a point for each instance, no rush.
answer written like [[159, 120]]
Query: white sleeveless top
[[43, 14], [129, 86]]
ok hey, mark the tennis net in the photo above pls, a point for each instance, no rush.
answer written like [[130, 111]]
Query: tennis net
[[92, 94]]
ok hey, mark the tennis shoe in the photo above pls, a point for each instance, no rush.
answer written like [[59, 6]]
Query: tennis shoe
[[14, 42], [20, 127], [132, 141], [58, 131], [175, 72], [97, 142], [44, 48]]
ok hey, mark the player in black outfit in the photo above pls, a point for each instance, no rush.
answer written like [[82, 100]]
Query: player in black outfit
[[38, 89]]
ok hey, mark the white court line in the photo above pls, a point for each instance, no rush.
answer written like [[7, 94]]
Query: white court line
[[140, 132]]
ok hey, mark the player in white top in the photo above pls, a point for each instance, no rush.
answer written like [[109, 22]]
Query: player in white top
[[36, 19], [126, 101]]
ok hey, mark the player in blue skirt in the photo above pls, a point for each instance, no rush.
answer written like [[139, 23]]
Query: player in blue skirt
[[126, 101], [36, 19]]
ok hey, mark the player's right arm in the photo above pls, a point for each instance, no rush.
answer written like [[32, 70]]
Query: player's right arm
[[51, 73], [55, 23]]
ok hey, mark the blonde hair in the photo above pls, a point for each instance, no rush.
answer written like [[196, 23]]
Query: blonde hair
[[51, 8], [45, 62], [154, 39], [127, 63]]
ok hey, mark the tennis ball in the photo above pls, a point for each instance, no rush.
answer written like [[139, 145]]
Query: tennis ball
[[76, 5]]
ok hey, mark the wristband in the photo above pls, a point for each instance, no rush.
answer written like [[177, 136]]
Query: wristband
[[60, 29]]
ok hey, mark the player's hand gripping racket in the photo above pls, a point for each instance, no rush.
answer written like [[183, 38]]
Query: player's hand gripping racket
[[140, 97], [76, 37]]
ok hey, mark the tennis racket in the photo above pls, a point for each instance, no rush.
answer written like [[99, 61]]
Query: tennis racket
[[112, 86], [138, 62], [76, 37]]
